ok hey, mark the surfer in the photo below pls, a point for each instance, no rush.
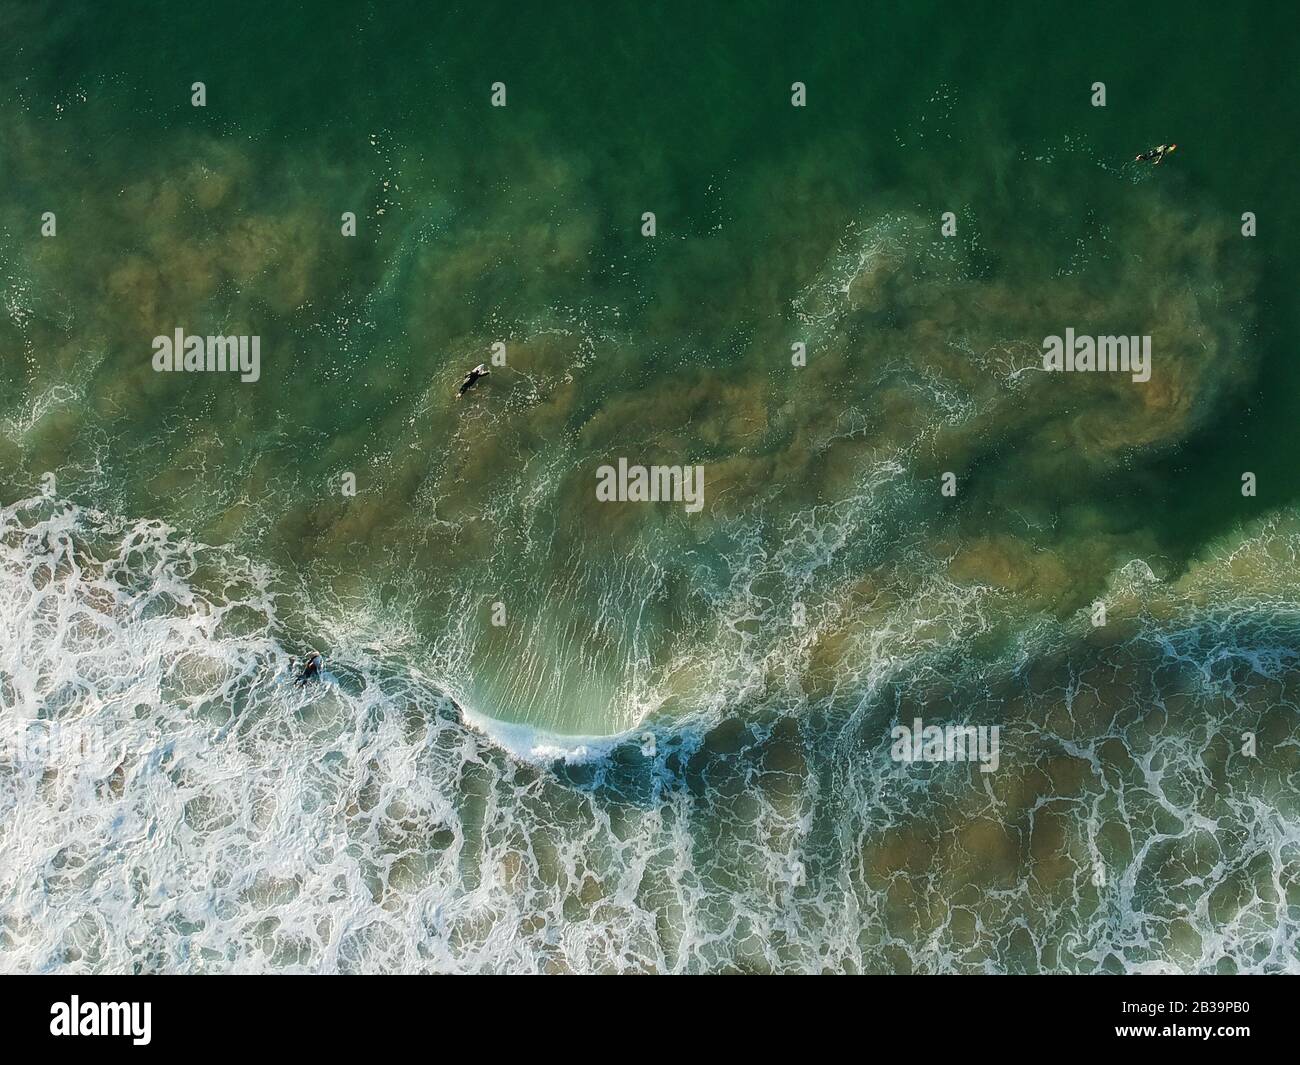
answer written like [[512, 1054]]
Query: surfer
[[310, 669], [1155, 155], [471, 379]]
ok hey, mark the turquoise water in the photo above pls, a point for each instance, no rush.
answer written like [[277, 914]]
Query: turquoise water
[[674, 755]]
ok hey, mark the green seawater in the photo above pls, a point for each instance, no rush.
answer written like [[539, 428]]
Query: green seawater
[[672, 754]]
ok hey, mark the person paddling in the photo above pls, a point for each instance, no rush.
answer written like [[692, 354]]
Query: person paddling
[[1156, 155], [310, 669], [471, 379]]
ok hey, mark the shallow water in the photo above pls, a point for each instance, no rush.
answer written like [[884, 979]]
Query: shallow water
[[675, 753]]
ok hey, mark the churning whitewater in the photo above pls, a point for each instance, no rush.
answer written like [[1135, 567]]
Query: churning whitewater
[[748, 501], [219, 818]]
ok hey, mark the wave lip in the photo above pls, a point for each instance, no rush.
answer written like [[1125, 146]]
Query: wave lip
[[537, 746]]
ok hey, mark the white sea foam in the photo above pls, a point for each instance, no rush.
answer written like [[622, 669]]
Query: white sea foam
[[223, 819], [539, 747]]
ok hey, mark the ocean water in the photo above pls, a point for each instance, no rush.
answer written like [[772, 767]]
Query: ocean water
[[675, 753]]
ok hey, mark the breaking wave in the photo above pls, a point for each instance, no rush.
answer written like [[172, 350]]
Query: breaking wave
[[171, 802]]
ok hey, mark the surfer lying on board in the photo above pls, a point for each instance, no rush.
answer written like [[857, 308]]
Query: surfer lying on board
[[471, 379], [1155, 154], [310, 669]]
